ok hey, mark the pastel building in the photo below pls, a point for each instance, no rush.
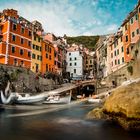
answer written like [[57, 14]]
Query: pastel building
[[15, 39], [36, 63], [75, 62], [117, 52]]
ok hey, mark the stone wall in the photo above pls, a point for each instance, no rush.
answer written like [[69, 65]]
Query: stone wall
[[26, 81]]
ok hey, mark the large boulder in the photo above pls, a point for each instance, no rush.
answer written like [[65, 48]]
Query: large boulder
[[124, 106]]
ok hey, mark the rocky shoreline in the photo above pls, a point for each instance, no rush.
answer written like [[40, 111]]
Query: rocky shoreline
[[122, 106]]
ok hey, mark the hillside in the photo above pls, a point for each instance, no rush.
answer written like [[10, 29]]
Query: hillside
[[87, 41]]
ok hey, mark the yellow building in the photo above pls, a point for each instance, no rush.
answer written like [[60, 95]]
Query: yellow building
[[36, 53]]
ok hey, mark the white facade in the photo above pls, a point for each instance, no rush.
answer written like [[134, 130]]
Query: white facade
[[75, 62]]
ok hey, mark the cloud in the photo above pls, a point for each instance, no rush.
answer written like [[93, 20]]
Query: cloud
[[71, 17]]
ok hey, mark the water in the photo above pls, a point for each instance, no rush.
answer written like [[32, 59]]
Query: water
[[66, 124]]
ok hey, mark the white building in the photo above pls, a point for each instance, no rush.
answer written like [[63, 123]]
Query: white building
[[75, 62]]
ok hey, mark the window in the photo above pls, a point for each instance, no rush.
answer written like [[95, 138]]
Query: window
[[70, 64], [37, 47], [46, 55], [46, 67], [126, 38], [13, 49], [21, 63], [50, 57], [137, 31], [122, 59], [38, 57], [122, 49], [74, 70], [69, 53], [29, 54], [21, 52], [70, 58], [33, 46], [131, 21], [38, 39], [75, 58], [22, 30], [115, 53], [40, 49], [126, 27], [127, 50], [121, 38], [50, 50], [75, 64], [118, 52], [14, 27], [115, 62], [13, 38], [118, 61], [21, 40], [33, 56], [136, 16], [111, 55], [29, 43], [29, 33], [15, 61], [90, 61], [132, 47], [34, 37], [133, 34]]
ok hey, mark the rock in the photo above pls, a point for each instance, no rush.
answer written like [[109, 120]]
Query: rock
[[123, 106], [96, 113]]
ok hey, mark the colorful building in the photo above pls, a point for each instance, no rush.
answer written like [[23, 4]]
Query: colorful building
[[131, 32], [60, 45], [15, 39], [117, 52], [36, 63], [47, 57]]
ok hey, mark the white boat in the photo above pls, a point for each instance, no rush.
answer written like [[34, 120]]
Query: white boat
[[91, 100], [29, 99], [58, 99], [8, 100]]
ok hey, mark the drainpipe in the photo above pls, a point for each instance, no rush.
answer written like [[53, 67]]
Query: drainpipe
[[7, 42]]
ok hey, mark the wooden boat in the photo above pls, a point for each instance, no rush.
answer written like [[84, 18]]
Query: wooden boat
[[58, 99], [29, 99]]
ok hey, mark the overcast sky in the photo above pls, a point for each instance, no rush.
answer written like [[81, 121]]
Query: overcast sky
[[74, 17]]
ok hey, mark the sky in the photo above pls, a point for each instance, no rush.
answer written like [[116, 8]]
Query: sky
[[74, 17]]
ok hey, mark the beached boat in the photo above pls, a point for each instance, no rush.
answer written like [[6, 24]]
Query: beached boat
[[27, 99], [7, 100], [58, 99]]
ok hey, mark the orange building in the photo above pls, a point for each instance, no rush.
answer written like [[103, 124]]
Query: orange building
[[131, 32], [47, 57], [15, 39]]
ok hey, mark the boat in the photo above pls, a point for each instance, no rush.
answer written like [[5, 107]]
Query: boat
[[8, 100], [58, 99], [28, 99], [7, 97], [91, 100]]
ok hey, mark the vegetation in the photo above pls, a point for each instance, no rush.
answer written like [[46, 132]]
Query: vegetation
[[87, 41], [130, 69]]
